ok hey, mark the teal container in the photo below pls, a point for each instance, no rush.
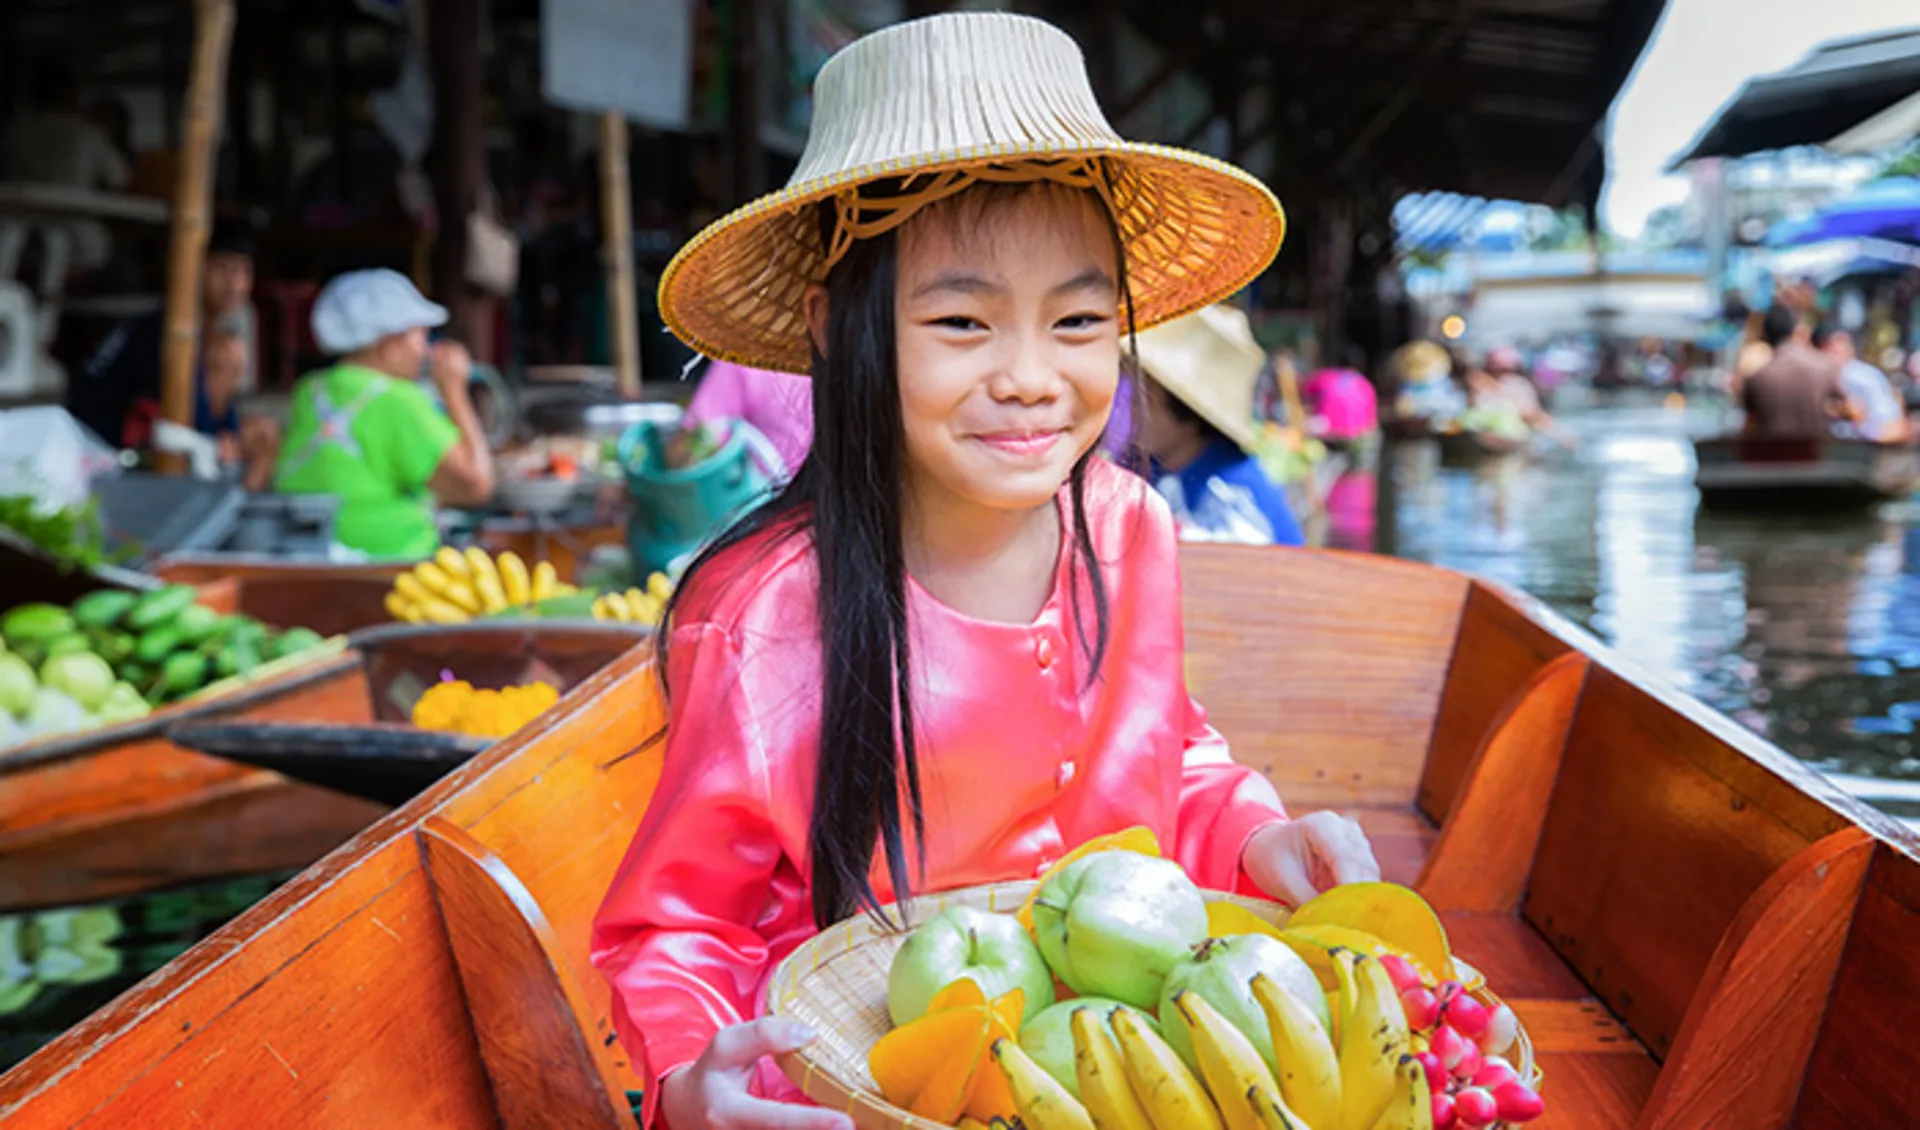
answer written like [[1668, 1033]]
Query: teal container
[[673, 511]]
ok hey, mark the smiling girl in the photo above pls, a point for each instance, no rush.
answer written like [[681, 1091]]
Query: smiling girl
[[950, 649]]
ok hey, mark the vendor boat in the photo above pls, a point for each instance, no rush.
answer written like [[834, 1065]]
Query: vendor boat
[[1695, 929], [1749, 472]]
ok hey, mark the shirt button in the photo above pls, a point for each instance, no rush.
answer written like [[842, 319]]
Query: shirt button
[[1043, 652], [1064, 776]]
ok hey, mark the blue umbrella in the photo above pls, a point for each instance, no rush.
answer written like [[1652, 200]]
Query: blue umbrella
[[1881, 209]]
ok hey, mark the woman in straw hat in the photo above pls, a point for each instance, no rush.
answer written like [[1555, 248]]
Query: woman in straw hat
[[962, 250], [1197, 431]]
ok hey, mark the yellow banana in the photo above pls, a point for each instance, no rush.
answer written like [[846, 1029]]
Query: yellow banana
[[410, 588], [485, 580], [616, 606], [435, 578], [1229, 1063], [453, 561], [1104, 1089], [1274, 1114], [1373, 1037], [545, 580], [1309, 1069], [438, 611], [460, 594], [1411, 1107], [1174, 1099], [480, 564], [513, 578], [403, 609], [1044, 1104], [660, 587]]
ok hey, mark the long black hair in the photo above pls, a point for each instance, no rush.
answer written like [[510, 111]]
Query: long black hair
[[847, 495]]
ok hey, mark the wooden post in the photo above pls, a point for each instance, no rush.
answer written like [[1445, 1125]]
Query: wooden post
[[453, 45], [746, 163], [200, 135], [616, 226]]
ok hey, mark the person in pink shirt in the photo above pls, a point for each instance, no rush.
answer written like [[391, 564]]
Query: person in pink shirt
[[779, 405], [949, 649], [1342, 407]]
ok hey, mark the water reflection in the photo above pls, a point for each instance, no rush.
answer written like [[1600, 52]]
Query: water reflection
[[1805, 629]]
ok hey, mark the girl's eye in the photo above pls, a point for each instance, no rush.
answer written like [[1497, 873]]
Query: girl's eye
[[1082, 321], [959, 322]]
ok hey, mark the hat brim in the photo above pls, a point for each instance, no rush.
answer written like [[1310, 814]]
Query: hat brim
[[1195, 231], [1174, 368]]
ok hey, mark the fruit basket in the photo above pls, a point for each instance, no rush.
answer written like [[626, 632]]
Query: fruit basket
[[836, 983]]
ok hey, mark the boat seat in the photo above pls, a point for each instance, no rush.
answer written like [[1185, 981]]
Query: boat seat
[[529, 1015]]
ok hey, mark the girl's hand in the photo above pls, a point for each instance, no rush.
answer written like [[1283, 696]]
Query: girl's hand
[[1295, 860], [712, 1093]]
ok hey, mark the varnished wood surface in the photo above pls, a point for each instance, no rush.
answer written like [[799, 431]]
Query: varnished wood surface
[[338, 1001], [1492, 832], [1296, 654], [1742, 1051]]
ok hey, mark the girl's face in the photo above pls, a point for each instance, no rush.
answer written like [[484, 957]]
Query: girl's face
[[1009, 345]]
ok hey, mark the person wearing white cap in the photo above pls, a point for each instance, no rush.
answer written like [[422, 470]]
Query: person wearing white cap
[[949, 648], [366, 431]]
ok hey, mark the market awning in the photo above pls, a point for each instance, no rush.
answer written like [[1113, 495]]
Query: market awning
[[1837, 87], [1501, 99]]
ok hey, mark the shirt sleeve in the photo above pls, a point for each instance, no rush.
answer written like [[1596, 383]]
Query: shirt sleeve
[[1222, 804], [408, 437], [688, 928], [720, 395]]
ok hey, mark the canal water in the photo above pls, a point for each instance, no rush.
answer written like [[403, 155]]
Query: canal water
[[1805, 629]]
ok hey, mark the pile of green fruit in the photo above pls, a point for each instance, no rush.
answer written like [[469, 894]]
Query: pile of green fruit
[[113, 655]]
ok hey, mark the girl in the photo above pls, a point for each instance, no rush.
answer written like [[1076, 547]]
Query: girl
[[950, 649]]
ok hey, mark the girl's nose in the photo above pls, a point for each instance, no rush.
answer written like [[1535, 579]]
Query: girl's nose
[[1026, 377]]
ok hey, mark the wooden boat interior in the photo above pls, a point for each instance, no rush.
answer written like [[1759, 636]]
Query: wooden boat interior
[[1697, 931], [331, 599]]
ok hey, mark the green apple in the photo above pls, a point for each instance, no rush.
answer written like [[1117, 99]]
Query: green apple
[[1048, 1037], [1112, 924], [991, 950], [1221, 971]]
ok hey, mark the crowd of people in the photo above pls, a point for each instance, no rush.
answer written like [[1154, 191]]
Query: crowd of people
[[1803, 379]]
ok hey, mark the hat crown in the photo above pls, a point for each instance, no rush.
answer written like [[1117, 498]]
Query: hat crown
[[967, 83]]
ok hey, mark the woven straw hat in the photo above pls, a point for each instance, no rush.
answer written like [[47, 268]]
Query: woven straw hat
[[949, 101], [1210, 361]]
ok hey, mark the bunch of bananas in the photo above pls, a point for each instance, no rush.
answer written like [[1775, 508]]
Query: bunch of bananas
[[1363, 1077], [454, 587], [636, 606]]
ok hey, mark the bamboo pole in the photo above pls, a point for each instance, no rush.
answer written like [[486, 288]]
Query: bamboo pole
[[199, 142], [616, 225]]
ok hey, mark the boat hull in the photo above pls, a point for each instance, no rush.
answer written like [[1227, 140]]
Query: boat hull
[[1739, 473], [1655, 863]]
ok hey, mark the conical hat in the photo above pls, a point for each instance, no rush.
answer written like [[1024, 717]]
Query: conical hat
[[948, 101], [1210, 361]]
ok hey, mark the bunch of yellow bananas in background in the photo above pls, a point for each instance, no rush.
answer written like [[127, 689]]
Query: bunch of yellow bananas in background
[[1360, 1078], [636, 606], [454, 587]]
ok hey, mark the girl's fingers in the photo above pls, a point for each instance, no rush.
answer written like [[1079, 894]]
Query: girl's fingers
[[1346, 852], [740, 1046], [748, 1113]]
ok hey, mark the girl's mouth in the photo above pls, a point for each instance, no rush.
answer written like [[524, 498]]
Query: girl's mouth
[[1022, 444]]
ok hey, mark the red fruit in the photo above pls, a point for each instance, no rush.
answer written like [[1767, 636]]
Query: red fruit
[[1447, 990], [1502, 1029], [1471, 1063], [1437, 1077], [1400, 971], [1468, 1016], [1443, 1117], [1495, 1074], [1422, 1007], [1475, 1108], [1449, 1045], [1516, 1102]]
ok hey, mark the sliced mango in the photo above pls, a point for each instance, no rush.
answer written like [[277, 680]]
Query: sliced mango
[[904, 1060], [1226, 919], [938, 1066], [1394, 914], [1136, 839]]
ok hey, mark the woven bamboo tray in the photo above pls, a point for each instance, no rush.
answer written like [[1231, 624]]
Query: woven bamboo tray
[[836, 982]]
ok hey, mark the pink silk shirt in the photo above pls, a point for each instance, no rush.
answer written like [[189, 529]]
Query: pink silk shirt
[[1023, 756]]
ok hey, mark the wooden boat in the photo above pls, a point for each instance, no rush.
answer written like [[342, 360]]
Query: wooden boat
[[389, 761], [1697, 930], [1752, 473], [331, 598], [125, 809], [1467, 449]]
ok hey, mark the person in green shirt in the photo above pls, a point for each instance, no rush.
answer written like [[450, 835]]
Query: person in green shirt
[[366, 431]]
